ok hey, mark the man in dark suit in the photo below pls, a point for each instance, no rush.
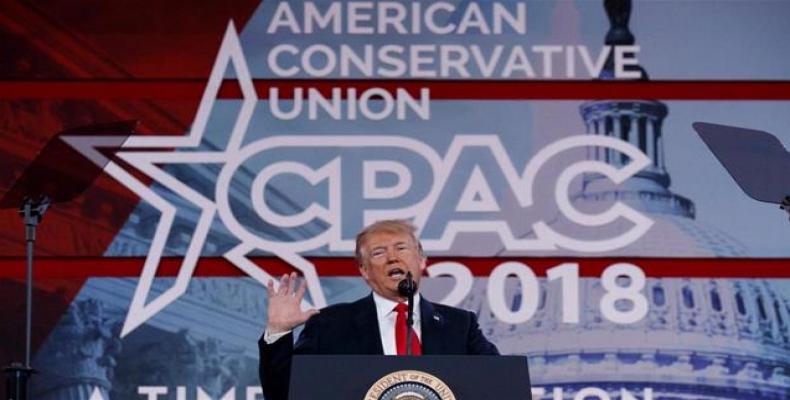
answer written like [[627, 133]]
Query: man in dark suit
[[375, 324]]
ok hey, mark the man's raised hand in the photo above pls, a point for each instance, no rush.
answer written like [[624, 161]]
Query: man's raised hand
[[285, 312]]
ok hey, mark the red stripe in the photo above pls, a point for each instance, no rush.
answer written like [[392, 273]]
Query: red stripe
[[98, 89], [79, 267], [440, 90]]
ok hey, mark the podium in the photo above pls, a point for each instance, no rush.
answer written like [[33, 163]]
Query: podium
[[432, 377]]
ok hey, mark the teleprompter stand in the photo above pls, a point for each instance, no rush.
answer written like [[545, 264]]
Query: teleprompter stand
[[58, 174], [367, 377]]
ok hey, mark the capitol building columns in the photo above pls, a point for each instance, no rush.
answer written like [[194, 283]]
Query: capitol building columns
[[80, 356]]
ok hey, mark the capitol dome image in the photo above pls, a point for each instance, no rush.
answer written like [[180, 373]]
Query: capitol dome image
[[701, 339]]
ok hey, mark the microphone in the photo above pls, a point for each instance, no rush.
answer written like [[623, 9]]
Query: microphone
[[406, 288]]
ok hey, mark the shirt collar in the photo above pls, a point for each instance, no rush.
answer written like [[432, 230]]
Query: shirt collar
[[384, 306]]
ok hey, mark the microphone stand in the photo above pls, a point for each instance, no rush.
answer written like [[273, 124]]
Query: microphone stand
[[407, 288]]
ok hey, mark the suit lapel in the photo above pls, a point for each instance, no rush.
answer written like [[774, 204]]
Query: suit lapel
[[432, 325], [367, 325]]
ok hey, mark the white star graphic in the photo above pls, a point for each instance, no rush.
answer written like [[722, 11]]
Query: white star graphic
[[160, 153]]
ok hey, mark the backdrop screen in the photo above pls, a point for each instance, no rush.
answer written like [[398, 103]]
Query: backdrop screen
[[543, 149]]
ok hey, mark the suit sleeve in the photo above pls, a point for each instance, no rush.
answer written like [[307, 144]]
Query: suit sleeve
[[274, 369], [476, 342]]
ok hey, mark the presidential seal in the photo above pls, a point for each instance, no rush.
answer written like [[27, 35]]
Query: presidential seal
[[409, 385]]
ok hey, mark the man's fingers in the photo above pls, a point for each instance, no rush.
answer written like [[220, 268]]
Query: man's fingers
[[283, 285], [301, 290], [292, 283], [270, 286], [309, 313]]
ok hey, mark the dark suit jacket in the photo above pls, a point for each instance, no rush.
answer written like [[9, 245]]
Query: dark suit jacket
[[352, 328]]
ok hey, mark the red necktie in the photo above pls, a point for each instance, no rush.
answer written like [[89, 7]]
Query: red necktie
[[400, 332]]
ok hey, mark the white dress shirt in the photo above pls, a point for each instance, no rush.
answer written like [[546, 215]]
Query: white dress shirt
[[385, 311]]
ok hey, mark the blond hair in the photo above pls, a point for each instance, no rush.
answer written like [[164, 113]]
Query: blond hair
[[388, 226]]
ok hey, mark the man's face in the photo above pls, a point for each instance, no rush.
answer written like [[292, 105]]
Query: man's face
[[386, 257]]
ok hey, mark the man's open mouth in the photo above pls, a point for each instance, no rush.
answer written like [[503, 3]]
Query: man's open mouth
[[396, 273]]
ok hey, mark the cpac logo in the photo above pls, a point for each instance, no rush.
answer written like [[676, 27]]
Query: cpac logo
[[423, 180]]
